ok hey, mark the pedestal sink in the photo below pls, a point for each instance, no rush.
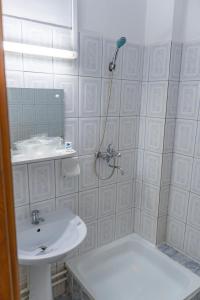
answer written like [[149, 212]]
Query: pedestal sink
[[45, 243]]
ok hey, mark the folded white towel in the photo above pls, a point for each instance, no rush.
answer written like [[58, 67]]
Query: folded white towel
[[70, 167]]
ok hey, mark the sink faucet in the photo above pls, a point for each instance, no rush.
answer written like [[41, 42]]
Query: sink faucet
[[36, 219]]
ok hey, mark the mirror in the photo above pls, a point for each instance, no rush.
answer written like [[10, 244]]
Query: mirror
[[35, 112], [40, 56]]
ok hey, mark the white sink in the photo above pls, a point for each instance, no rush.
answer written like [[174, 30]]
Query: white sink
[[45, 243]]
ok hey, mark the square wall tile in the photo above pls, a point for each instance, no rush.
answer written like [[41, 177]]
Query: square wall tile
[[89, 97], [22, 214], [88, 205], [191, 61], [124, 196], [157, 99], [107, 200], [124, 224], [70, 86], [111, 135], [14, 79], [90, 54], [141, 132], [172, 99], [194, 211], [45, 207], [144, 99], [150, 199], [170, 125], [138, 194], [166, 169], [37, 34], [154, 134], [106, 230], [161, 230], [12, 29], [62, 39], [159, 62], [195, 185], [137, 221], [197, 143], [114, 105], [188, 101], [164, 200], [13, 61], [127, 163], [68, 202], [146, 62], [132, 58], [178, 203], [38, 80], [152, 167], [33, 63], [89, 129], [87, 178], [90, 241], [185, 135], [192, 242], [175, 61], [130, 98], [41, 181], [128, 132], [181, 171], [20, 181], [148, 227], [140, 165], [175, 233], [64, 185]]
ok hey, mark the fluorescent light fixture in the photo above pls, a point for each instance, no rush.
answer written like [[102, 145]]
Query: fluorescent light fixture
[[38, 50]]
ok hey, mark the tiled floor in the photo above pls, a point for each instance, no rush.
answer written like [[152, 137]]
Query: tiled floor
[[181, 258]]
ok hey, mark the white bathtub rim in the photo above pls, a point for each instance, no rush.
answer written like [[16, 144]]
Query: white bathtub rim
[[72, 264]]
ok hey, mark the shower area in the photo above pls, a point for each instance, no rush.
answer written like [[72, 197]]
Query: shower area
[[131, 111]]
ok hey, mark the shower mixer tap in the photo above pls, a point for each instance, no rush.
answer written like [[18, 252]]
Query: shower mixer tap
[[110, 155]]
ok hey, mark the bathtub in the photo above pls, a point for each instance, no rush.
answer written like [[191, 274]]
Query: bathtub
[[133, 269]]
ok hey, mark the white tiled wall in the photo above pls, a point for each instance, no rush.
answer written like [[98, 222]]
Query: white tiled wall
[[141, 124], [107, 207], [156, 139], [183, 230]]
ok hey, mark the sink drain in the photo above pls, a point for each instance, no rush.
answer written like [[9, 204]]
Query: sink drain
[[43, 248]]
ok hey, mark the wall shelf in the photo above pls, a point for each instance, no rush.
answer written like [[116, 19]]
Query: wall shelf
[[18, 159]]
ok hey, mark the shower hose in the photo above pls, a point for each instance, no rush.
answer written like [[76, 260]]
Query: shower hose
[[97, 169]]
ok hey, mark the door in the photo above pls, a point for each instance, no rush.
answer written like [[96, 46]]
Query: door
[[9, 284]]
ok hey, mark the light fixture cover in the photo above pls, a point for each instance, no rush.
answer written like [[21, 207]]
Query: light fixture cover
[[38, 50]]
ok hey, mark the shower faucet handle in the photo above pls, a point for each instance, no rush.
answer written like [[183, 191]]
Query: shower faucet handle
[[112, 151], [109, 148]]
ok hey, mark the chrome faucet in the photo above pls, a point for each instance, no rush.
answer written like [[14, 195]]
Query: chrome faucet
[[110, 155], [36, 219]]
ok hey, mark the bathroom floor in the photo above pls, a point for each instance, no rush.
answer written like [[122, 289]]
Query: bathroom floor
[[180, 258]]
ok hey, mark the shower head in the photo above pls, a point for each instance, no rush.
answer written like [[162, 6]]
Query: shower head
[[120, 43]]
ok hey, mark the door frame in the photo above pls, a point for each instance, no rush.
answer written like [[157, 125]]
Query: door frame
[[9, 278]]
